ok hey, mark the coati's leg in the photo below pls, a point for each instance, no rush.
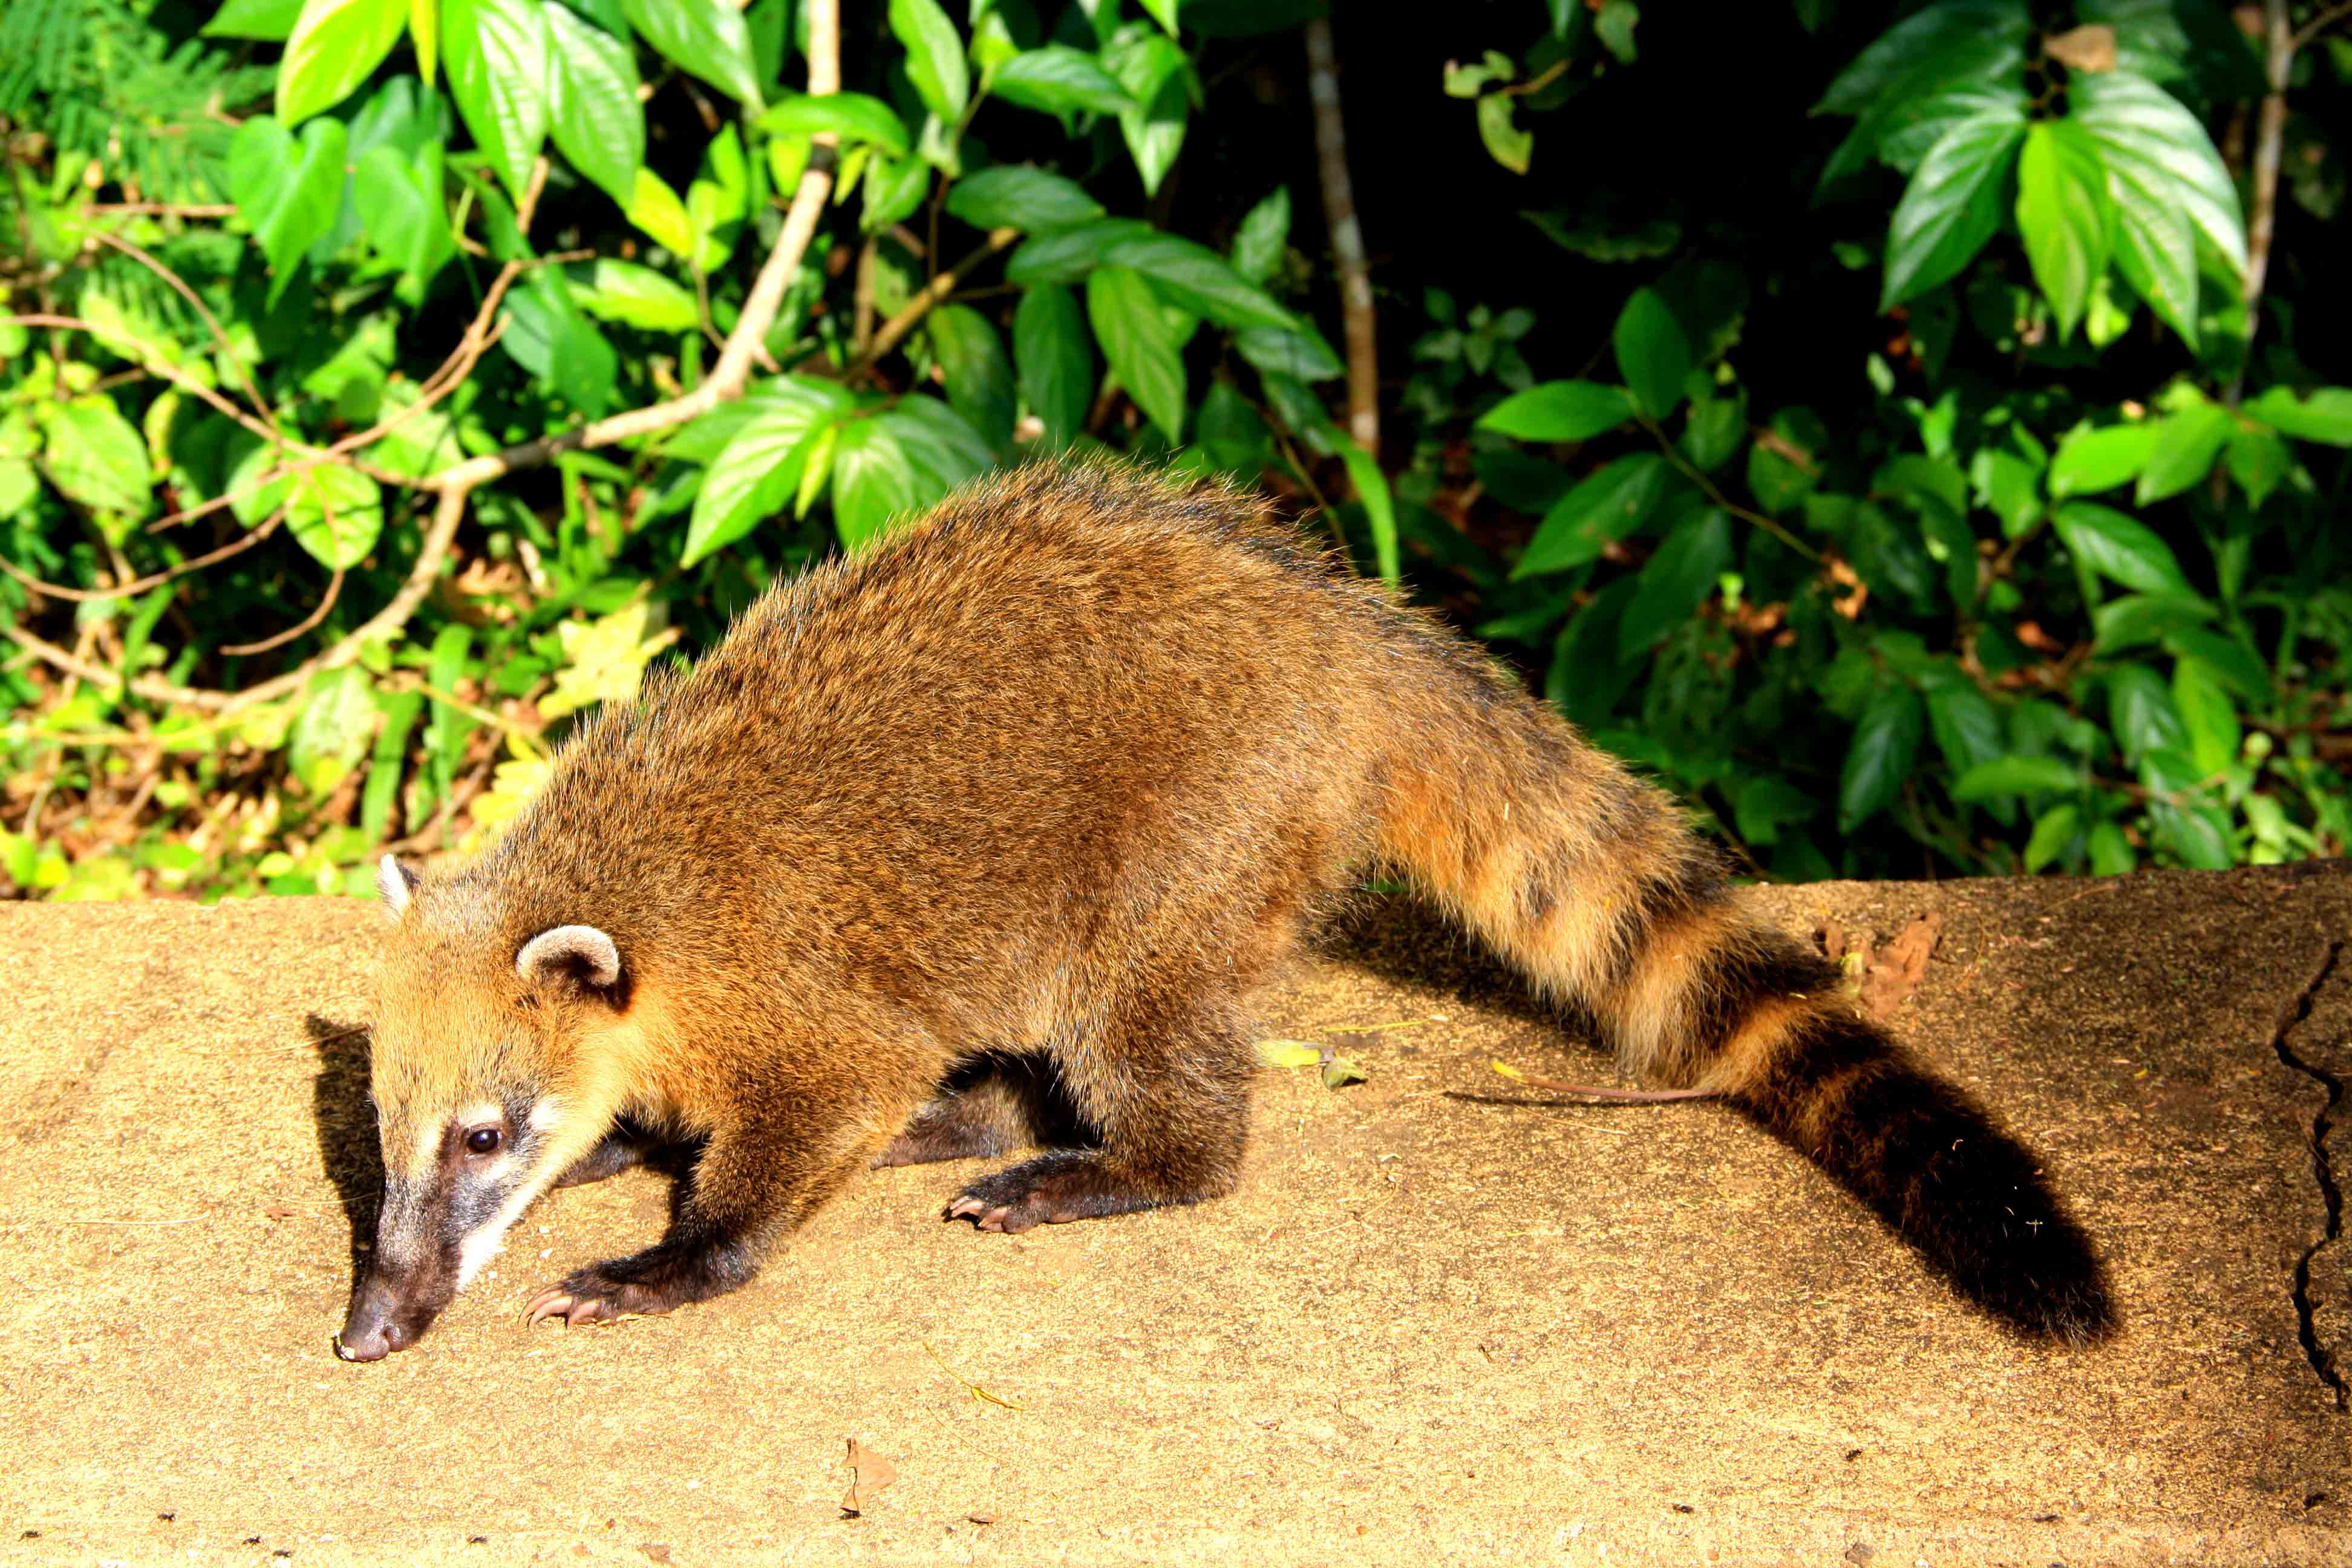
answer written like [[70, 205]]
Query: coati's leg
[[749, 1186], [1169, 1088], [626, 1146], [989, 1105]]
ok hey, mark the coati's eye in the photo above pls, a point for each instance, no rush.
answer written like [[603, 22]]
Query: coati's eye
[[482, 1141]]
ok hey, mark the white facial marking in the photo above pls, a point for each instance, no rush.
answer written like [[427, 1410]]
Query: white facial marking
[[489, 1235]]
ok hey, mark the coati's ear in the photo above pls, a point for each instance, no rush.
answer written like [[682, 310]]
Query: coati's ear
[[580, 952], [394, 882]]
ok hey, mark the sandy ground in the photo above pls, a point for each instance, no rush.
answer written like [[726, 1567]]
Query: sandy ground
[[1443, 1321]]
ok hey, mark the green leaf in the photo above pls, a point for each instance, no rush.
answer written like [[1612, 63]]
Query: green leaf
[[2177, 808], [95, 457], [594, 116], [287, 193], [1713, 430], [1952, 205], [654, 207], [1561, 411], [2186, 445], [497, 56], [873, 483], [1139, 344], [335, 513], [1379, 506], [2119, 547], [2111, 853], [2260, 462], [890, 467], [268, 21], [1289, 1053], [400, 715], [2003, 777], [2239, 668], [1653, 356], [708, 38], [2009, 485], [1058, 79], [1157, 78], [2052, 831], [1931, 32], [1966, 725], [548, 336], [979, 377], [1507, 141], [1612, 503], [935, 61], [1679, 578], [1588, 678], [634, 296], [1231, 433], [331, 734], [1066, 256], [760, 467], [1019, 196], [1195, 279], [1885, 744], [334, 46], [1302, 355], [424, 35], [2063, 213], [1263, 233], [895, 187], [2323, 414], [2090, 460], [855, 117], [1162, 12], [1766, 804], [405, 220], [1056, 363], [2137, 618], [2199, 691], [2138, 125]]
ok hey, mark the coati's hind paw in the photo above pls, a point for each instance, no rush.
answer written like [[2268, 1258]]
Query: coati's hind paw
[[1052, 1189], [590, 1296]]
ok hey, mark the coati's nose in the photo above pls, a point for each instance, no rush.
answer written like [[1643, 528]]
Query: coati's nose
[[374, 1331]]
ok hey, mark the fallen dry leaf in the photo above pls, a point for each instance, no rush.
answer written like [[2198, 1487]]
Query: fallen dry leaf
[[1894, 970], [869, 1472], [657, 1550], [2090, 48]]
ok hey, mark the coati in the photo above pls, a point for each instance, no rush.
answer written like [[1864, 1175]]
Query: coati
[[988, 834]]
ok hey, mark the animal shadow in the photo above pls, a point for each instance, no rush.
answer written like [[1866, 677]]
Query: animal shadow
[[345, 1118]]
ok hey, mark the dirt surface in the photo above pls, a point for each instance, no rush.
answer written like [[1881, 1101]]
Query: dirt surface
[[1443, 1319]]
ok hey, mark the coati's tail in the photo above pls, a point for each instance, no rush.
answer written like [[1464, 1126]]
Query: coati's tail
[[1589, 881]]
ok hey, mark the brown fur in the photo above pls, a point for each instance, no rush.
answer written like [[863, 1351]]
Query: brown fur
[[1056, 775]]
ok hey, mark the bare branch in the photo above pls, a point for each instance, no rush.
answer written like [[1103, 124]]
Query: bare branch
[[2262, 222], [268, 526], [279, 639], [934, 293]]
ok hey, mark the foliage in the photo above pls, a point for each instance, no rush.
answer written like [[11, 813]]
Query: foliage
[[1976, 516]]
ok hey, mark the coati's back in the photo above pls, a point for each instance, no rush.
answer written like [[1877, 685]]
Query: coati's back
[[1071, 716], [1051, 781]]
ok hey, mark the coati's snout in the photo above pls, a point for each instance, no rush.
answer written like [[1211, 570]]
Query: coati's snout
[[391, 1311]]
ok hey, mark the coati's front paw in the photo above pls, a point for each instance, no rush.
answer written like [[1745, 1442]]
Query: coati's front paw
[[591, 1296]]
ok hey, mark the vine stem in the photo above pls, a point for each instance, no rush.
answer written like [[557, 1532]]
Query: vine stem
[[1707, 487]]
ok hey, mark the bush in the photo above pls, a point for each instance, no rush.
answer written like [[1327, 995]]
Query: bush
[[1930, 482]]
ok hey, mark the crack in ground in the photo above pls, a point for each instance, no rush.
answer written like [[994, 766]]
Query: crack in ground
[[2291, 1012]]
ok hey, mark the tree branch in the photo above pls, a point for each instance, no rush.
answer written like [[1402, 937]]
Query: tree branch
[[1347, 240], [2261, 223]]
